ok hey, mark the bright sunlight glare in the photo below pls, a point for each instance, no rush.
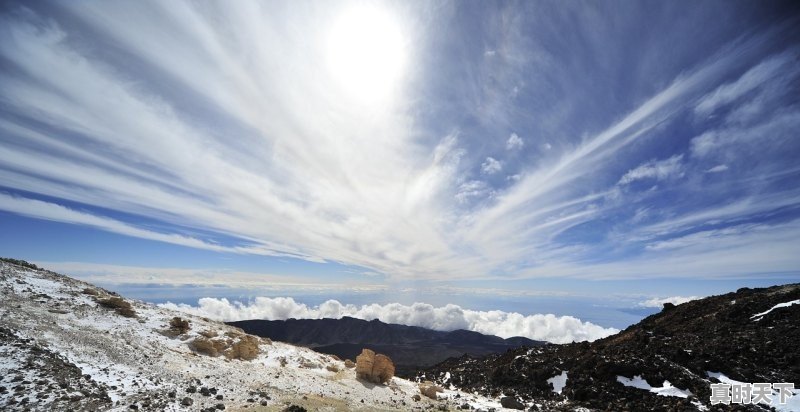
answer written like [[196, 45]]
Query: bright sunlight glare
[[366, 53]]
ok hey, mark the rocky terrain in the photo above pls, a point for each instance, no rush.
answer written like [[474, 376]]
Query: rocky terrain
[[67, 345], [664, 363], [410, 347]]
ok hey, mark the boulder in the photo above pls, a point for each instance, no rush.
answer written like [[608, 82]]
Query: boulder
[[375, 368], [511, 403], [430, 389], [349, 364]]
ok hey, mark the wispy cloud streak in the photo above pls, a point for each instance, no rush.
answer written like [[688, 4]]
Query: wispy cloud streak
[[226, 120]]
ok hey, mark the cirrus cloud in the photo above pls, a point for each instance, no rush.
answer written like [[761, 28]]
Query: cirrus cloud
[[223, 121]]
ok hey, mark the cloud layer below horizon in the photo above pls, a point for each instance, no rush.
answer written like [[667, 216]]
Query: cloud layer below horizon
[[550, 328]]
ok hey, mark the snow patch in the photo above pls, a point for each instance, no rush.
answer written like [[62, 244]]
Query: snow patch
[[475, 401], [558, 382], [666, 390], [791, 405], [722, 378], [757, 317]]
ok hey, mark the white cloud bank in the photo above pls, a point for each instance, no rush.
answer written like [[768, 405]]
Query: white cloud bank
[[675, 300], [551, 328]]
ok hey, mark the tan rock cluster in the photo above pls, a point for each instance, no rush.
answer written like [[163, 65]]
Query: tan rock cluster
[[430, 389], [375, 368], [236, 346]]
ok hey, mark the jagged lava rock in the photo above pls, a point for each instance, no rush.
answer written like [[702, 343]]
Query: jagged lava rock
[[511, 403], [750, 335]]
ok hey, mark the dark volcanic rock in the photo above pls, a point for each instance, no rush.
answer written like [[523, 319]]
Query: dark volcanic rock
[[680, 345], [511, 403], [70, 389]]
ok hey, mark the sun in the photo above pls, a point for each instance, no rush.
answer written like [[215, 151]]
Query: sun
[[366, 53]]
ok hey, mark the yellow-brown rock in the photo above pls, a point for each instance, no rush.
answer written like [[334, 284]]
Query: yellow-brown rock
[[429, 389], [375, 368]]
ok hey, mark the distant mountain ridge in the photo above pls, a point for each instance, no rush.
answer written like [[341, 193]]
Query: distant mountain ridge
[[410, 347]]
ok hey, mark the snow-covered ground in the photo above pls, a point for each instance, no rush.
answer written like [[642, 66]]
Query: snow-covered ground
[[135, 361]]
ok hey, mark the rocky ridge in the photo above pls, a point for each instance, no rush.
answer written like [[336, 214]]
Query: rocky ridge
[[666, 362], [68, 345]]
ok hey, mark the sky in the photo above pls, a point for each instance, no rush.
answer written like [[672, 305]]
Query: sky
[[524, 158]]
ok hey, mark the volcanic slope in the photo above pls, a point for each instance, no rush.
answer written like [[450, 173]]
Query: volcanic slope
[[66, 345], [666, 362]]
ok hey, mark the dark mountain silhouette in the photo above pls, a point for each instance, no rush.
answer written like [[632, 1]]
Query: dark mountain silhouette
[[728, 334], [410, 347]]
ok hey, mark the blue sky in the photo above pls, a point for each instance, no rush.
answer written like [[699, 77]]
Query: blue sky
[[626, 149]]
